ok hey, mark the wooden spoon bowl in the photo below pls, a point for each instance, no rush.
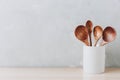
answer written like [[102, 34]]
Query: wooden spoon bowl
[[97, 32], [81, 34], [109, 34], [89, 26]]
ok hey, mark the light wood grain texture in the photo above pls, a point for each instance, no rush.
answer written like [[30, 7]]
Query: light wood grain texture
[[56, 74]]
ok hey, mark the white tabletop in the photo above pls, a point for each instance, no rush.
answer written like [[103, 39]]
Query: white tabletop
[[56, 74]]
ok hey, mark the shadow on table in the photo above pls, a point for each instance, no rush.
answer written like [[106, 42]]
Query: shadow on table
[[111, 70]]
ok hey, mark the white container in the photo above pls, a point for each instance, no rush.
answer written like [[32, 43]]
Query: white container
[[93, 59]]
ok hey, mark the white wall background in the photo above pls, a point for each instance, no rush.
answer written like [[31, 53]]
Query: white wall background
[[41, 32]]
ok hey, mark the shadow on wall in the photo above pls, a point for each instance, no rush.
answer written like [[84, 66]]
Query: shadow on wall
[[113, 53]]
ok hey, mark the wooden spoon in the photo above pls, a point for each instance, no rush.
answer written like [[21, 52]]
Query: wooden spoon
[[81, 34], [89, 28], [109, 34], [97, 32]]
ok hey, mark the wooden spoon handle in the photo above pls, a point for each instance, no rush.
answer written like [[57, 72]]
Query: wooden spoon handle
[[96, 41], [103, 43], [90, 39], [87, 43]]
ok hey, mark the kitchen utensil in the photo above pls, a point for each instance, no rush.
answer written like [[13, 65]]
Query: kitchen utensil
[[109, 34], [97, 32], [89, 28], [81, 34]]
